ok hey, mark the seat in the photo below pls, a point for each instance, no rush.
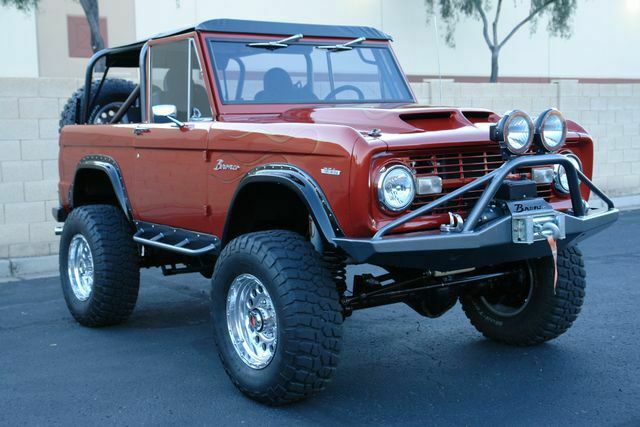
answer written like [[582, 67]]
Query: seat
[[200, 100], [278, 86]]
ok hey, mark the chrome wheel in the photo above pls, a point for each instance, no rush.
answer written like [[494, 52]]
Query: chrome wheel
[[80, 267], [251, 321], [513, 300]]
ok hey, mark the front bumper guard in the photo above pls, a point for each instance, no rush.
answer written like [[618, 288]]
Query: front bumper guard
[[477, 243]]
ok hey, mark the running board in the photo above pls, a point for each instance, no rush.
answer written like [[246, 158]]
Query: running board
[[177, 240]]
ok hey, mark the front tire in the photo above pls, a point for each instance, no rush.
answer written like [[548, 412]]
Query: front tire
[[99, 267], [276, 317], [530, 312]]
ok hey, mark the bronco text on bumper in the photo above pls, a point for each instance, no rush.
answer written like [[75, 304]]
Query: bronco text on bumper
[[270, 156]]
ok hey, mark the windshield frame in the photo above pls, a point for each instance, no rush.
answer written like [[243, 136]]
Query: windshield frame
[[250, 107]]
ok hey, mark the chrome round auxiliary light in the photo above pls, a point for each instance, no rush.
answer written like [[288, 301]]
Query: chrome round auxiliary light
[[514, 132], [560, 181], [396, 188], [551, 130]]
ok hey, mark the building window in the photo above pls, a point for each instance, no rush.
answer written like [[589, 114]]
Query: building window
[[80, 36]]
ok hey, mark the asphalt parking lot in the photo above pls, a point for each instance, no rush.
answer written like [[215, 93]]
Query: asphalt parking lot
[[396, 367]]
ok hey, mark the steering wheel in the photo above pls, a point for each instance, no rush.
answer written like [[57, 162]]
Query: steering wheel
[[340, 89]]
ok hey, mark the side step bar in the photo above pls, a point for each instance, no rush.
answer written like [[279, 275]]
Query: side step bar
[[177, 240]]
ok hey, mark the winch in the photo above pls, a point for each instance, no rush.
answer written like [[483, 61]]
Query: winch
[[529, 228]]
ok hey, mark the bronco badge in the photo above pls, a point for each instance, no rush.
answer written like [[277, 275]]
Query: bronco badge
[[222, 166]]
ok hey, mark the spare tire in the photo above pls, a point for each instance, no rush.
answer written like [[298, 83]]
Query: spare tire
[[112, 95]]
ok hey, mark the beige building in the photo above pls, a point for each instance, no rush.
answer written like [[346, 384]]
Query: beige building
[[63, 34], [54, 40]]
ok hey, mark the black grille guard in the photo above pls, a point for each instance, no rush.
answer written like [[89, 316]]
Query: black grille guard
[[479, 244]]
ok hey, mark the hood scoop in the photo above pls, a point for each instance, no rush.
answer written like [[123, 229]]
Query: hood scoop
[[435, 121], [447, 120]]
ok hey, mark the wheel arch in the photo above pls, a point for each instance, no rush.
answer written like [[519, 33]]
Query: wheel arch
[[281, 179], [98, 179]]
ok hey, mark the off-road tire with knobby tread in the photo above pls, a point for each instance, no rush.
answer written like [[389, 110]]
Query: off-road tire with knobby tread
[[547, 315], [116, 277], [113, 90], [307, 308]]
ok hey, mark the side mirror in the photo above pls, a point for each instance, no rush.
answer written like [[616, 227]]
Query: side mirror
[[166, 113], [163, 111]]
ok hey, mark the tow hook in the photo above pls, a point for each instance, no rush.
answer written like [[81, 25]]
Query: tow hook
[[455, 223]]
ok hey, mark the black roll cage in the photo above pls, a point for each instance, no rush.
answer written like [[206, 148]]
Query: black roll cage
[[130, 56]]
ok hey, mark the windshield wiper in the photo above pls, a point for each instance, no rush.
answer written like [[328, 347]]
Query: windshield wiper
[[276, 44], [343, 46]]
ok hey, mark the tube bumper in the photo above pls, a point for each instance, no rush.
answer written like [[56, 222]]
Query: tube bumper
[[489, 244]]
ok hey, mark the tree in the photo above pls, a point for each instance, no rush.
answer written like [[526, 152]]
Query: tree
[[24, 5], [91, 12], [559, 13]]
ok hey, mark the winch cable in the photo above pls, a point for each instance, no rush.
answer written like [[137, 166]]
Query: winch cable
[[554, 252]]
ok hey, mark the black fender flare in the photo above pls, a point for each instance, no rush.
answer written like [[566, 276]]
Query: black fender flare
[[110, 167], [304, 186]]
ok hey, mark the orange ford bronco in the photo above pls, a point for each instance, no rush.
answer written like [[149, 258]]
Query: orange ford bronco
[[271, 156]]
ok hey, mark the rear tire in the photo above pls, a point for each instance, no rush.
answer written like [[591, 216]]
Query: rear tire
[[544, 315], [288, 279], [99, 267]]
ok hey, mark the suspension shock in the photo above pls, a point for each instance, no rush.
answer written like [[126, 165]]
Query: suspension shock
[[337, 263], [336, 260]]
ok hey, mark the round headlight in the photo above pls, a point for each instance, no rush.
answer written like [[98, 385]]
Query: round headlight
[[396, 188], [515, 131], [560, 181], [551, 128]]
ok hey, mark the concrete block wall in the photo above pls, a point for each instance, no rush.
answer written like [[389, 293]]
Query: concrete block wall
[[29, 112]]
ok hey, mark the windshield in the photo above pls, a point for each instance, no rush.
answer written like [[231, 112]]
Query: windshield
[[306, 74]]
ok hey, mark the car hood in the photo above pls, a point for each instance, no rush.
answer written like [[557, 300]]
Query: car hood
[[401, 126]]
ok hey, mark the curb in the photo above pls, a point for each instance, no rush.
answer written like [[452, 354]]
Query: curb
[[46, 266], [43, 266], [623, 203]]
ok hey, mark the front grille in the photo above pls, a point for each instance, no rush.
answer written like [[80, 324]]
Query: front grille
[[457, 169]]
